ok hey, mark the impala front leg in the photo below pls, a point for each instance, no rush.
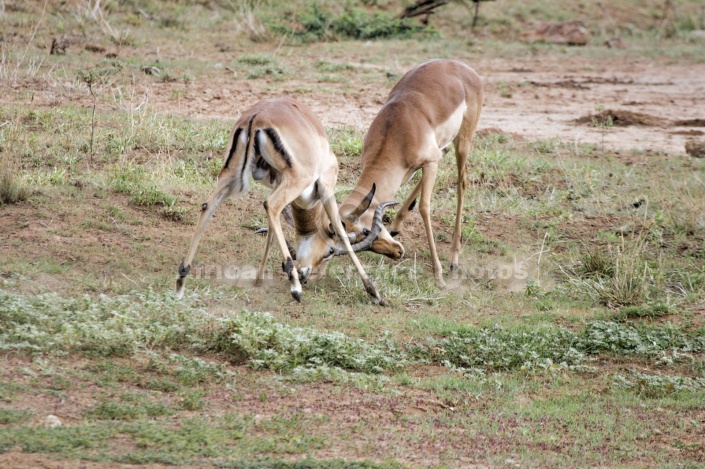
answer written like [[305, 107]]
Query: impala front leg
[[274, 205], [408, 206], [331, 207]]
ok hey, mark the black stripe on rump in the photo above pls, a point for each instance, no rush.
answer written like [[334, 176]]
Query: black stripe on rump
[[278, 146], [258, 150], [244, 160], [233, 146]]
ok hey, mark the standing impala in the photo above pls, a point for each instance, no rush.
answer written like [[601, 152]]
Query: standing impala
[[432, 105], [282, 144]]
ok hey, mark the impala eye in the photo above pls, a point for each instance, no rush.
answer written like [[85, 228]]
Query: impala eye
[[365, 231], [331, 251]]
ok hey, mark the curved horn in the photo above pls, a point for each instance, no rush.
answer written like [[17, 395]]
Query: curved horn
[[364, 204], [377, 225]]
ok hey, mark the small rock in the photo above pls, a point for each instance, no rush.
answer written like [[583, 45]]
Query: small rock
[[572, 33], [151, 70], [695, 148], [52, 421], [616, 43], [58, 46], [95, 48], [698, 34]]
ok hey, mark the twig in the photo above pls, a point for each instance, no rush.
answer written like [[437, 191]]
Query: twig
[[538, 263], [128, 278]]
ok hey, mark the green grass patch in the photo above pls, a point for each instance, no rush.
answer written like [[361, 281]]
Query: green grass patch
[[12, 417]]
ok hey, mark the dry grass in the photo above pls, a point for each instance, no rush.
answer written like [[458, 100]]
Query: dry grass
[[12, 188]]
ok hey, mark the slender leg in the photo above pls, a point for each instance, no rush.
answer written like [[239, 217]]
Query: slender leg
[[463, 145], [274, 205], [263, 262], [226, 185], [331, 208], [404, 211], [461, 156], [427, 179]]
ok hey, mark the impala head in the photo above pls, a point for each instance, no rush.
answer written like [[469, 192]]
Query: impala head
[[313, 254], [359, 221], [315, 250]]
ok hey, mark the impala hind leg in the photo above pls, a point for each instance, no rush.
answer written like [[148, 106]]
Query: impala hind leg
[[331, 208], [463, 145], [408, 206], [427, 179], [226, 186]]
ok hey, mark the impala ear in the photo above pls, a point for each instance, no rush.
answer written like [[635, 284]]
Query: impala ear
[[364, 204]]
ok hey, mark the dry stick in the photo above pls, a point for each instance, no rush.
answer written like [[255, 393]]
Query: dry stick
[[538, 263], [31, 38], [90, 88], [477, 13]]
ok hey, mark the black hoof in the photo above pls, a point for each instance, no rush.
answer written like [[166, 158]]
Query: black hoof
[[296, 295], [394, 234], [453, 267]]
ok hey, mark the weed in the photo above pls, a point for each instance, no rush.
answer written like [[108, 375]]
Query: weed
[[644, 311], [12, 189], [603, 121], [256, 60], [192, 400], [657, 386], [619, 277], [319, 24], [11, 417], [346, 142], [149, 196], [173, 212], [109, 410], [92, 78], [595, 262]]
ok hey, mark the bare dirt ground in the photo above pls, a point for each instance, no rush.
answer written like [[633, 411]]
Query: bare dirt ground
[[533, 98]]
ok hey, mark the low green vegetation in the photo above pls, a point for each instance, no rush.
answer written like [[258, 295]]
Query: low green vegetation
[[572, 334]]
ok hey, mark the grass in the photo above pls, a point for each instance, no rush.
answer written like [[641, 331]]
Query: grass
[[593, 358]]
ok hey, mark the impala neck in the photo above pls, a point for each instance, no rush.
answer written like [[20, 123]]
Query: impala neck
[[309, 220], [387, 181]]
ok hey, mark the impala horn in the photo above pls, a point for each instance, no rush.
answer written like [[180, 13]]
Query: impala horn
[[364, 204], [377, 225]]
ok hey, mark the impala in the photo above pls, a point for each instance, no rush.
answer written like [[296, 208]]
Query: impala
[[432, 105], [280, 143]]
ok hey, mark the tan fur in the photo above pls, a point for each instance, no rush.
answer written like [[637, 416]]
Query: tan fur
[[404, 138], [302, 171]]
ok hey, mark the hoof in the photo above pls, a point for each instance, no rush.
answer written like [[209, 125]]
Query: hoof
[[180, 287], [296, 295], [453, 267], [394, 234]]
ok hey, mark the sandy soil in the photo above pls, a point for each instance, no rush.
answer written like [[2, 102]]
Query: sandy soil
[[531, 98]]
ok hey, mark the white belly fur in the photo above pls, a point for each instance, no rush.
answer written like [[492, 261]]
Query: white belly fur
[[446, 132]]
